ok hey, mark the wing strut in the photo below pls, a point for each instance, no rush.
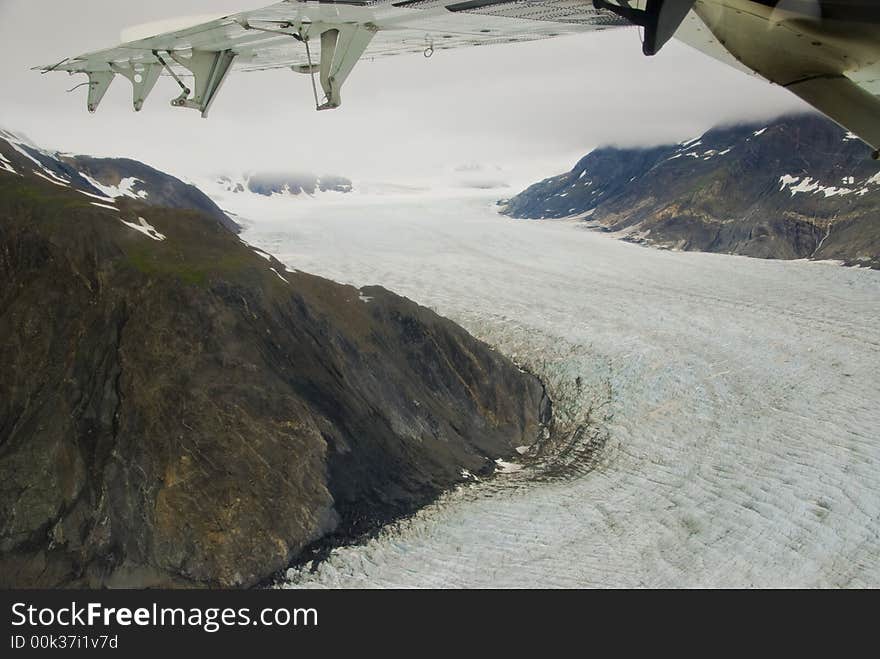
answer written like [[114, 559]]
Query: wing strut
[[184, 90], [311, 71]]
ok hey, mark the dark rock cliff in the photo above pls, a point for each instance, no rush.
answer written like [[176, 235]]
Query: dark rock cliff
[[795, 187], [177, 409]]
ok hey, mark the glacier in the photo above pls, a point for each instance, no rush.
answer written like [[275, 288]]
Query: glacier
[[723, 412]]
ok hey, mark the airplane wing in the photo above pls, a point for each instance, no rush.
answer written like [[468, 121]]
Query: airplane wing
[[320, 38], [825, 51]]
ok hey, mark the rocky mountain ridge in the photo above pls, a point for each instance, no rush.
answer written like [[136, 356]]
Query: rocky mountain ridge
[[106, 179], [179, 409], [795, 187]]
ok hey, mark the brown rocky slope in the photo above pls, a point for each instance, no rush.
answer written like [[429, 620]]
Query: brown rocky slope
[[795, 187], [179, 410]]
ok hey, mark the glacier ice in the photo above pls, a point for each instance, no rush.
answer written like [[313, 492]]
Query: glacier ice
[[736, 400]]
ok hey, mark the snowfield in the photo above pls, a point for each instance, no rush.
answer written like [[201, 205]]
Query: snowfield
[[733, 403]]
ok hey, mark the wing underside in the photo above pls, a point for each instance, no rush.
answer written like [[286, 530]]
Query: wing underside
[[825, 52], [292, 35], [404, 27]]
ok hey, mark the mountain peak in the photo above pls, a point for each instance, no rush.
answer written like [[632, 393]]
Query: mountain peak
[[798, 186], [105, 179]]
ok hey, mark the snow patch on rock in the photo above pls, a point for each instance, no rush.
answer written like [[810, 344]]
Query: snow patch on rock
[[6, 166], [278, 274], [145, 228], [124, 189]]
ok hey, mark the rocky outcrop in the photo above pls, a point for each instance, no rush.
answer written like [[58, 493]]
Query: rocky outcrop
[[178, 409], [275, 183], [796, 187]]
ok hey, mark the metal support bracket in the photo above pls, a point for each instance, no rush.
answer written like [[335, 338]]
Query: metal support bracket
[[342, 45], [210, 70], [143, 78], [660, 18], [99, 82], [341, 48], [184, 90]]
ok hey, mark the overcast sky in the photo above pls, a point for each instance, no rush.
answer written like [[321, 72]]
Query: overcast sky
[[533, 108]]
